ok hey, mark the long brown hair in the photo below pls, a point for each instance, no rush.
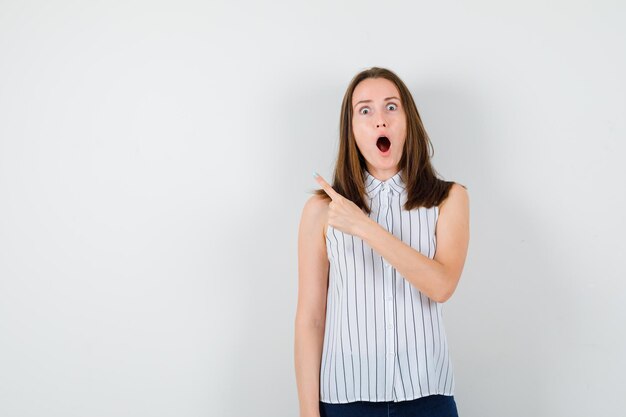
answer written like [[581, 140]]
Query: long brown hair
[[424, 188]]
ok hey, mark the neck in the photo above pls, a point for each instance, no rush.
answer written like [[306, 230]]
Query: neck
[[382, 174]]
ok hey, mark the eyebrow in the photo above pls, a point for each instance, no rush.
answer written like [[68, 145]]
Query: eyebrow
[[368, 101]]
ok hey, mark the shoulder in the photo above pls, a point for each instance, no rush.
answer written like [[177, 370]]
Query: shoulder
[[315, 206], [457, 200], [315, 212], [457, 192]]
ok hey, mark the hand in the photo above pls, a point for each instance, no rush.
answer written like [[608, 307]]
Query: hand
[[343, 214]]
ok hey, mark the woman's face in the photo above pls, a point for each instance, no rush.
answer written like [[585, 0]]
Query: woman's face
[[376, 113]]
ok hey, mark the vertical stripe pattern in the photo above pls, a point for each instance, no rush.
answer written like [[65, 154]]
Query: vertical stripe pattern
[[383, 340]]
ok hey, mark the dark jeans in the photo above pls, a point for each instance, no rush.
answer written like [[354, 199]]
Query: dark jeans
[[429, 406]]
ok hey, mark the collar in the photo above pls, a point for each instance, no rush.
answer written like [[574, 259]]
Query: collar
[[373, 185]]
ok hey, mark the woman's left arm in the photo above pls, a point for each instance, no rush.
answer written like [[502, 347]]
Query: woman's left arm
[[437, 278]]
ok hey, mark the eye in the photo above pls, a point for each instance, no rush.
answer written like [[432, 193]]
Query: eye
[[363, 109], [393, 106]]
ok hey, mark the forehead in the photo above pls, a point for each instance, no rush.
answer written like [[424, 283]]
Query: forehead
[[374, 89]]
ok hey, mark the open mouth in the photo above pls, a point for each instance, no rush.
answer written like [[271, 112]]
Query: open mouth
[[383, 144]]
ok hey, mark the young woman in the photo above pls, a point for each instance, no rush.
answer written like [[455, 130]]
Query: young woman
[[379, 251]]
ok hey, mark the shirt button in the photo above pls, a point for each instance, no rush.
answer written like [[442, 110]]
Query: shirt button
[[390, 354], [390, 326], [389, 298]]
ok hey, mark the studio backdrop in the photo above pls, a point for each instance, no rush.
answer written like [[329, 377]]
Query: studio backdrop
[[155, 158]]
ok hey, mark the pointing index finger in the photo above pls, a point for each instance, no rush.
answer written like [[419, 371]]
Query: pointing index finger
[[327, 187]]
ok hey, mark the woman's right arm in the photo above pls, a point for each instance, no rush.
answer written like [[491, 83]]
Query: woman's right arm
[[311, 311]]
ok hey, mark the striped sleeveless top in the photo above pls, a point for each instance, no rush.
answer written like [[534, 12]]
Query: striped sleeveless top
[[383, 340]]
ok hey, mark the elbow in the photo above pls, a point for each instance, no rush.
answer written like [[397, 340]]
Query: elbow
[[442, 296], [445, 291], [310, 320], [438, 288]]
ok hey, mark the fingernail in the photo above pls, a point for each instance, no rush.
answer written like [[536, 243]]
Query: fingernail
[[315, 174]]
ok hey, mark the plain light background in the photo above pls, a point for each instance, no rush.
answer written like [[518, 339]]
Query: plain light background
[[155, 157]]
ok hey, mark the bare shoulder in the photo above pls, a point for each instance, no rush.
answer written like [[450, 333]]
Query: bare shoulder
[[457, 200], [315, 212], [316, 206], [454, 210]]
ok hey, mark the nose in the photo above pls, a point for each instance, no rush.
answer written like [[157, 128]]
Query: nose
[[383, 124]]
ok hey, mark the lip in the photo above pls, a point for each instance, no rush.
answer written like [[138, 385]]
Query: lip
[[382, 134], [388, 151]]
